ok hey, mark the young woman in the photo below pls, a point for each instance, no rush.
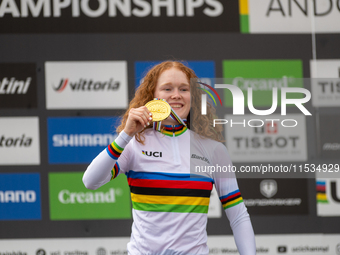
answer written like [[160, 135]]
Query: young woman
[[170, 199]]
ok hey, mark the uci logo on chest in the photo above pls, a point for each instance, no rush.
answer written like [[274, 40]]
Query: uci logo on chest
[[156, 154]]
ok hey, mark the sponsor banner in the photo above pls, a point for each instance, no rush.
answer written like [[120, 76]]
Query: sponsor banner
[[325, 82], [20, 197], [19, 144], [205, 70], [290, 16], [328, 196], [109, 16], [65, 246], [274, 196], [329, 136], [262, 76], [70, 200], [266, 139], [86, 85], [18, 85], [287, 244], [79, 140]]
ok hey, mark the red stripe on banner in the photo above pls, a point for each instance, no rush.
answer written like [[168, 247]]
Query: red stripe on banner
[[231, 196], [170, 184], [321, 188]]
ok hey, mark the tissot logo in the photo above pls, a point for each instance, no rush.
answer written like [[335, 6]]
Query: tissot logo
[[87, 85], [266, 139], [155, 154]]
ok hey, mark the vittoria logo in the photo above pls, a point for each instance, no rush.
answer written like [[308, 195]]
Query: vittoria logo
[[155, 154], [22, 141], [84, 84]]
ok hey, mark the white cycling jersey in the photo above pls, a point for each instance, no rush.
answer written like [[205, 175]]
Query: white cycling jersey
[[170, 197]]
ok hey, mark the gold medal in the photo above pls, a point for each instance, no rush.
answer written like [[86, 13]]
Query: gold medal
[[160, 109]]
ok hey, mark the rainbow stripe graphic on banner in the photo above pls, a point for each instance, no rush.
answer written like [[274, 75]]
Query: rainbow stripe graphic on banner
[[321, 196], [232, 199], [169, 192], [244, 16]]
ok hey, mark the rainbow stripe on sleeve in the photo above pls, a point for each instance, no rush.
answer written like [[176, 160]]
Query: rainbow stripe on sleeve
[[232, 199], [165, 192], [115, 171], [114, 150]]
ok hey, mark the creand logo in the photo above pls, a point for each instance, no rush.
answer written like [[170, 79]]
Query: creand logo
[[87, 85], [110, 8]]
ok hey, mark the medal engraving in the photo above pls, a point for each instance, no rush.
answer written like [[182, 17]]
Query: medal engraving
[[160, 109]]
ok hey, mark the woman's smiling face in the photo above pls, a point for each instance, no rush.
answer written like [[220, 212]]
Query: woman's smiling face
[[173, 86]]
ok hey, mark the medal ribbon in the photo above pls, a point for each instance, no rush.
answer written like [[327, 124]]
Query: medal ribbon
[[173, 115]]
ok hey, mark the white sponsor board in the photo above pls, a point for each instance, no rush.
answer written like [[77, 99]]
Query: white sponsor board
[[252, 138], [294, 16], [86, 85], [328, 202], [325, 82], [19, 141], [315, 244]]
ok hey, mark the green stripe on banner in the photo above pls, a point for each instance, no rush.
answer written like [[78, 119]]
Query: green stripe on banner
[[244, 22], [323, 201], [228, 206], [170, 208]]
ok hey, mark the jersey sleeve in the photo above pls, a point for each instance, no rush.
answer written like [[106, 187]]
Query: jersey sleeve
[[108, 164], [232, 202]]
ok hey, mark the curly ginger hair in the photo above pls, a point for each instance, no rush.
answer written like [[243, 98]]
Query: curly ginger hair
[[145, 93]]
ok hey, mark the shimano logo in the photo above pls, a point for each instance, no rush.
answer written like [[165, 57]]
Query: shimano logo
[[155, 154], [22, 141], [17, 196], [87, 85], [331, 147], [200, 158], [82, 140], [13, 86], [68, 197]]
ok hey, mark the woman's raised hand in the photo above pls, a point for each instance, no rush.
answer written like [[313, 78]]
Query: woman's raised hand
[[137, 120]]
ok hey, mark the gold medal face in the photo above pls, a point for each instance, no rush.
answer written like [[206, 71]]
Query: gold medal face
[[160, 109]]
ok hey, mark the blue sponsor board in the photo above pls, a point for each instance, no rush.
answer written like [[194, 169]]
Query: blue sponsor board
[[79, 140], [20, 197], [203, 69]]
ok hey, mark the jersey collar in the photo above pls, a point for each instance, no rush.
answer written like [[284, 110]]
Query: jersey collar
[[173, 130]]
